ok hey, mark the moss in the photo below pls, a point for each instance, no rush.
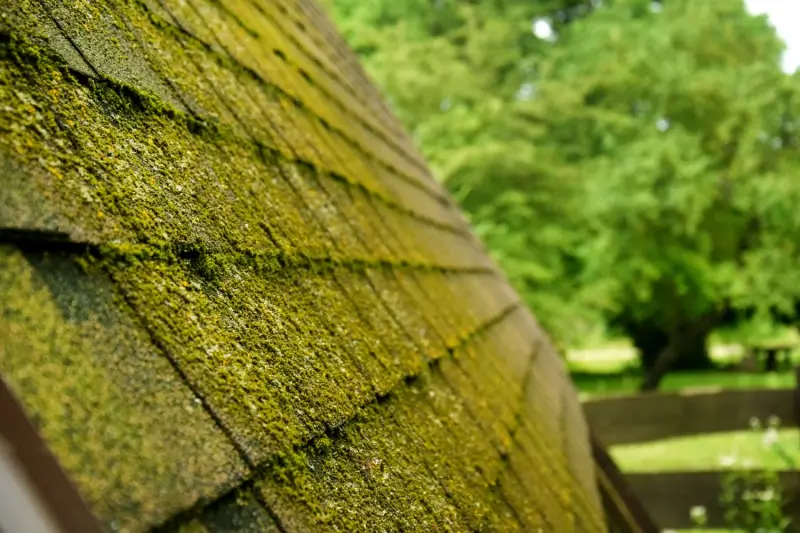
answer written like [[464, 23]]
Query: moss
[[518, 497], [143, 101], [254, 345], [102, 396], [409, 316], [305, 74], [494, 387], [454, 463], [175, 59], [192, 526], [396, 352], [279, 355], [327, 45], [289, 263], [102, 40], [437, 305], [369, 479], [567, 496], [218, 28], [126, 204], [455, 455], [419, 201]]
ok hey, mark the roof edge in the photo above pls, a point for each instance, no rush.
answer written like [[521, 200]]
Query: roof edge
[[51, 488]]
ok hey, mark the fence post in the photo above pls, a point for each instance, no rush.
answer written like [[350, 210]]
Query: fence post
[[624, 511], [797, 395], [794, 506]]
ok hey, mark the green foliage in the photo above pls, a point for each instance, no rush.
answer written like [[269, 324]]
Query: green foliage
[[753, 500], [677, 130], [639, 162]]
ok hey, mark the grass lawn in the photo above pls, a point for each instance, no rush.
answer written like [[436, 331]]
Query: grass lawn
[[705, 452], [612, 370]]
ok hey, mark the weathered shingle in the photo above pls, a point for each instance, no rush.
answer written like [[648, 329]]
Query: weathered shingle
[[235, 299], [120, 419]]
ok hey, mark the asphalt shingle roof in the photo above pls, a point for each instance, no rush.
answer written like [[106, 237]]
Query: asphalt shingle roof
[[234, 298]]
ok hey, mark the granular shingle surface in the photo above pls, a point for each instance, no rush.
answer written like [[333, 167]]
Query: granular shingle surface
[[235, 299]]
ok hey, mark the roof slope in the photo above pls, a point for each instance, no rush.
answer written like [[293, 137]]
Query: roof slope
[[234, 298]]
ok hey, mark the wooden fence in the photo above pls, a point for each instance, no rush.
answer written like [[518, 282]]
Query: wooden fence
[[668, 496]]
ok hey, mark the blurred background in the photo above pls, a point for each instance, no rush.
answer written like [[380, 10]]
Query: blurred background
[[634, 166]]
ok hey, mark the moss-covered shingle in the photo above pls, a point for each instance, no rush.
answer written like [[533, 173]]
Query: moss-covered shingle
[[102, 395], [233, 298]]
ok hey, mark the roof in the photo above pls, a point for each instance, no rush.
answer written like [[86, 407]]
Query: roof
[[235, 299]]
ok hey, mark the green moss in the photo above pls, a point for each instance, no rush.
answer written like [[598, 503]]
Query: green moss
[[438, 305], [396, 353], [106, 45], [303, 73], [218, 27], [288, 262], [72, 107], [238, 511], [432, 417], [480, 399], [102, 396], [369, 479]]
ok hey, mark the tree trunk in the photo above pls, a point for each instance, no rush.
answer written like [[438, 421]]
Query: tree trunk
[[695, 354], [688, 342], [651, 341]]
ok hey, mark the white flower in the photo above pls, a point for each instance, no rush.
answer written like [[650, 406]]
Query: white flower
[[698, 512], [767, 495], [755, 423], [774, 421], [770, 437], [727, 460]]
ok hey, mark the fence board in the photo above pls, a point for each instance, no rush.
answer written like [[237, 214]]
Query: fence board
[[625, 512], [651, 417], [669, 496]]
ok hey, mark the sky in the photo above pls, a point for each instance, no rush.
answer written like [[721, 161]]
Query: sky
[[785, 17]]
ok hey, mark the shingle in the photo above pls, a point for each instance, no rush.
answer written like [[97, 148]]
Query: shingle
[[238, 512], [407, 314], [374, 476], [398, 352], [281, 318], [177, 60], [109, 47], [102, 394], [255, 344], [418, 200]]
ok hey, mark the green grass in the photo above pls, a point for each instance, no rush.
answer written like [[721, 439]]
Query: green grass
[[705, 452]]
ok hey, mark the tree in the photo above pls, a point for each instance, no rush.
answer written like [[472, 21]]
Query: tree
[[683, 126]]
